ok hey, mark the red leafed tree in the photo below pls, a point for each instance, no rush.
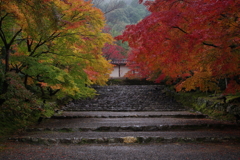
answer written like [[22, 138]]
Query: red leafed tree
[[197, 41], [111, 51]]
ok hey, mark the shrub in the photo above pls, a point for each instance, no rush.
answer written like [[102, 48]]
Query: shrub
[[18, 106]]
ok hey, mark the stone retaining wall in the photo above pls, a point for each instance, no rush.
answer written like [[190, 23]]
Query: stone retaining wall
[[230, 110]]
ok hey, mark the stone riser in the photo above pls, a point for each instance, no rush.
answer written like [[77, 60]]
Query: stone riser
[[132, 116], [124, 140], [99, 108], [139, 128]]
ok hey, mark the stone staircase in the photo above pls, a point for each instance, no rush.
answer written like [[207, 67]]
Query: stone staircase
[[128, 114], [128, 98]]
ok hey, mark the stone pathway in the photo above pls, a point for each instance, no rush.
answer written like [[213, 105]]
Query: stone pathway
[[128, 98], [116, 124], [129, 114]]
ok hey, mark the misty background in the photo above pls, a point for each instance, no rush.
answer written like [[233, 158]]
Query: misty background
[[119, 14]]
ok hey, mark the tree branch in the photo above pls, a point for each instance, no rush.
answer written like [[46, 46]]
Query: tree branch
[[212, 45], [180, 29], [29, 44], [14, 37], [40, 43], [2, 35]]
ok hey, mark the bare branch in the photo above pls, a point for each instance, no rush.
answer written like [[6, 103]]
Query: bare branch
[[113, 5], [212, 45], [180, 29]]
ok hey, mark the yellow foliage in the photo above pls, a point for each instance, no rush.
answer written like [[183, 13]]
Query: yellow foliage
[[65, 36], [129, 139], [57, 86], [99, 70], [30, 81], [202, 80]]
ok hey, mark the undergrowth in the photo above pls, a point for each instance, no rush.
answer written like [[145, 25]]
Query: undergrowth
[[192, 101]]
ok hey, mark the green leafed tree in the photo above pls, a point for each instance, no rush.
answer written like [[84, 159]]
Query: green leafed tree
[[53, 48]]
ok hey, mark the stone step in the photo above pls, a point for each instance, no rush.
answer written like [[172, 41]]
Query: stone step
[[107, 114], [128, 137], [134, 124], [140, 128], [127, 98], [159, 108]]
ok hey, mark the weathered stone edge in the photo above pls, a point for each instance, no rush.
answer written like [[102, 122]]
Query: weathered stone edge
[[124, 140], [140, 128], [130, 116], [122, 110]]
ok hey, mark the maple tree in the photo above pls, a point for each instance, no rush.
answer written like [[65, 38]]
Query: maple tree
[[111, 52], [54, 47], [41, 53], [195, 42]]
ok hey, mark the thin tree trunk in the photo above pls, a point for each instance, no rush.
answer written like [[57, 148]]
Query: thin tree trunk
[[7, 61], [226, 82]]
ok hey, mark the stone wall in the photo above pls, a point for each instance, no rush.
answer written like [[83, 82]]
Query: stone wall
[[219, 105], [214, 106]]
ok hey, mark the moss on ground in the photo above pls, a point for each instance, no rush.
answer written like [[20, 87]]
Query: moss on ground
[[206, 104]]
